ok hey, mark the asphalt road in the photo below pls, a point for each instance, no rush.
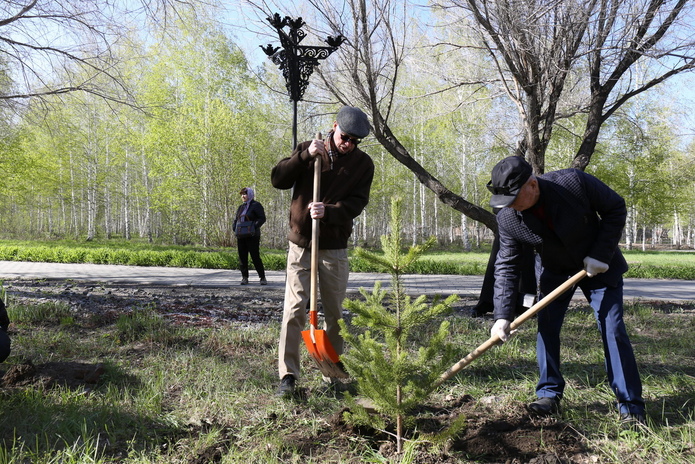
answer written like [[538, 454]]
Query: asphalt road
[[464, 286]]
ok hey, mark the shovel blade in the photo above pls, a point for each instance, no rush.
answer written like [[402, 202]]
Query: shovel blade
[[323, 354], [324, 346], [311, 345]]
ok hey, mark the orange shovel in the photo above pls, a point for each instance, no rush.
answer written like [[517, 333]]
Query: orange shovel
[[494, 340], [317, 341]]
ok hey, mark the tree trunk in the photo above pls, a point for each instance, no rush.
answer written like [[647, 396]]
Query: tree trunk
[[147, 221], [92, 194], [630, 228], [73, 200], [126, 197], [677, 238], [644, 238]]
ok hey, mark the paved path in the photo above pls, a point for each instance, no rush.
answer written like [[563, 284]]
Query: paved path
[[464, 286]]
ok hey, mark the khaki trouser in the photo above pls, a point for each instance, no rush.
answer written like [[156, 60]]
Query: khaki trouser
[[333, 273]]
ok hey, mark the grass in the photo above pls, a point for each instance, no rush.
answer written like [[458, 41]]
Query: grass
[[661, 264], [173, 394], [649, 264]]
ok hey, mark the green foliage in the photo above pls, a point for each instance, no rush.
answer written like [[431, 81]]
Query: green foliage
[[651, 271], [426, 266], [400, 351], [451, 261], [105, 255], [173, 170], [272, 261], [660, 265], [361, 263], [173, 166]]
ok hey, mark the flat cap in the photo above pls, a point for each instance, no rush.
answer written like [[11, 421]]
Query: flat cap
[[353, 121], [508, 176]]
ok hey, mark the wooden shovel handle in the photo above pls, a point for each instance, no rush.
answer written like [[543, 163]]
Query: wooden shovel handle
[[313, 318], [494, 340]]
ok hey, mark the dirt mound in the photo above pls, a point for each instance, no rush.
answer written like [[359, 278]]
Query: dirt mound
[[506, 437], [70, 374], [518, 437]]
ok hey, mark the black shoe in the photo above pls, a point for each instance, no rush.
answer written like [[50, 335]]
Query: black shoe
[[286, 388], [244, 281], [264, 282], [632, 420], [545, 406]]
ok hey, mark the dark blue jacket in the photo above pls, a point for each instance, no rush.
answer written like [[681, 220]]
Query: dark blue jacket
[[256, 213], [582, 217]]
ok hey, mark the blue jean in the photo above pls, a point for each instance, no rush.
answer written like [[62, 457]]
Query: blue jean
[[621, 367]]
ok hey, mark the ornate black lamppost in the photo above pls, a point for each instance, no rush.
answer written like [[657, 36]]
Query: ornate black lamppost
[[297, 62]]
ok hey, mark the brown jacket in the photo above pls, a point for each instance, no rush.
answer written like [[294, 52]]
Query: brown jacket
[[344, 191]]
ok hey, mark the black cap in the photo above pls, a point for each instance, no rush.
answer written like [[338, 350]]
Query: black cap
[[353, 121], [508, 176]]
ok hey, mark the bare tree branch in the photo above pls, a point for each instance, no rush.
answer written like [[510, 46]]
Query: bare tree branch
[[602, 43], [51, 47], [367, 74], [633, 43]]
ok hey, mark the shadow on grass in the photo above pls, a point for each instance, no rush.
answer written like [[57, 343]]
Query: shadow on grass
[[58, 405]]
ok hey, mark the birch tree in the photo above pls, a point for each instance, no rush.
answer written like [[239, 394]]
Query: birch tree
[[208, 136], [638, 161]]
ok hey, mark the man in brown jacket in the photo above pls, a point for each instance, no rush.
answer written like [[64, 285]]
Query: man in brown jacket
[[346, 179]]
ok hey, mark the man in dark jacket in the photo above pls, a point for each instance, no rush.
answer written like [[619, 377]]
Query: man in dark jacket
[[346, 179], [574, 221]]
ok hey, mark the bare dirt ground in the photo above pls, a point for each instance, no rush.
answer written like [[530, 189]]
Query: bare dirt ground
[[490, 435]]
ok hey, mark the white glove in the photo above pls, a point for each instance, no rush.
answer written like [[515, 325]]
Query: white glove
[[501, 329], [594, 266]]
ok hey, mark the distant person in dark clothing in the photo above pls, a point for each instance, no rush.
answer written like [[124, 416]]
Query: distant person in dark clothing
[[250, 210]]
